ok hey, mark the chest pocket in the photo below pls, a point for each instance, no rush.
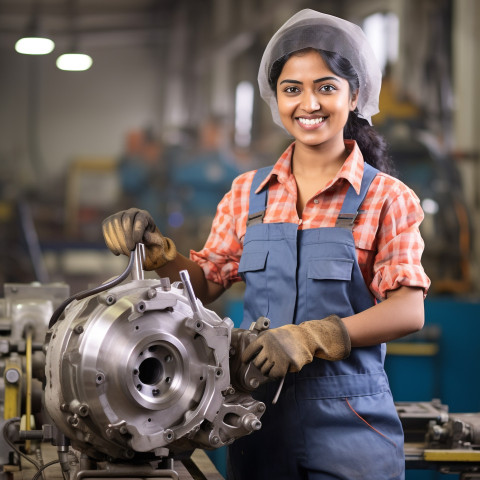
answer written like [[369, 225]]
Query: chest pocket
[[328, 284], [330, 269]]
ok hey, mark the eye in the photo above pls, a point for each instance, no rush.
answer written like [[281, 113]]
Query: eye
[[327, 88], [291, 89]]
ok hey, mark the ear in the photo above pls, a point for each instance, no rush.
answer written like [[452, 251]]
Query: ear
[[354, 100]]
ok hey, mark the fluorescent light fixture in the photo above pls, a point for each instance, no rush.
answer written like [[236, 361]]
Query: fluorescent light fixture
[[74, 62], [34, 46]]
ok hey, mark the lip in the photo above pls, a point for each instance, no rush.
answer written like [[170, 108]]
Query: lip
[[311, 122]]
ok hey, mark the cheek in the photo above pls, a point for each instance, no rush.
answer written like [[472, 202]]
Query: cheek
[[285, 106]]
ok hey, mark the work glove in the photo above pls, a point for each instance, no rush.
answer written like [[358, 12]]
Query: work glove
[[123, 230], [288, 348]]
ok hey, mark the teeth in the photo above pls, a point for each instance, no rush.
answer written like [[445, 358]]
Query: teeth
[[311, 121]]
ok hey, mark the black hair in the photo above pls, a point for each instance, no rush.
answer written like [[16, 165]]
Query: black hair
[[372, 145]]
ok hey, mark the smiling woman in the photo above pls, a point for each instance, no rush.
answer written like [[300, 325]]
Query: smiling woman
[[313, 103], [329, 248]]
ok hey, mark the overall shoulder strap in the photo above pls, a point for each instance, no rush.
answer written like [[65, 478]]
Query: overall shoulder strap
[[353, 201], [258, 201]]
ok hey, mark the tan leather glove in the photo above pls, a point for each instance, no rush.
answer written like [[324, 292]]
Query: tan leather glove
[[123, 230], [289, 348]]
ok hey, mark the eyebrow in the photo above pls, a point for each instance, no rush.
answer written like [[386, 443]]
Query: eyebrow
[[318, 80]]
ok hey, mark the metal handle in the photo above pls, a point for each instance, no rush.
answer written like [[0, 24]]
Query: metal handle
[[139, 260]]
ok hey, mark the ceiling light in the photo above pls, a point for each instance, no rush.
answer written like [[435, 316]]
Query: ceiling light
[[34, 46], [74, 62]]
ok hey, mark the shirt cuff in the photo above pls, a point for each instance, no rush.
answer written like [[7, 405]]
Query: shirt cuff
[[391, 277]]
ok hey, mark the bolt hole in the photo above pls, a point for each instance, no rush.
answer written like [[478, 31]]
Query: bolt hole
[[136, 327], [153, 348], [139, 387], [168, 380], [135, 372], [149, 419]]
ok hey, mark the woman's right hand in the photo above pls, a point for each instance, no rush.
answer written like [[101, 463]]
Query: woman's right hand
[[123, 230]]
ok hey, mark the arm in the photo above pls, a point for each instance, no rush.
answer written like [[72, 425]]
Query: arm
[[204, 289], [398, 278], [400, 314], [290, 347]]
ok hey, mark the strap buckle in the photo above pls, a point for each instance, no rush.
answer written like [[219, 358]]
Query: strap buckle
[[346, 220], [255, 218]]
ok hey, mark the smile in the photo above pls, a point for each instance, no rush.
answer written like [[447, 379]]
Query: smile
[[311, 121]]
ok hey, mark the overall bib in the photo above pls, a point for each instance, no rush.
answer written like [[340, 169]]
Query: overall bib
[[333, 420]]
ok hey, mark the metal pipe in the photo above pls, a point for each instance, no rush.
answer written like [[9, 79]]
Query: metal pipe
[[137, 270]]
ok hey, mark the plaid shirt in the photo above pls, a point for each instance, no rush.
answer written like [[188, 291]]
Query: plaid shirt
[[386, 232]]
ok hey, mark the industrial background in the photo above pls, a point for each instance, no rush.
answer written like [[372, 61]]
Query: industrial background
[[169, 113]]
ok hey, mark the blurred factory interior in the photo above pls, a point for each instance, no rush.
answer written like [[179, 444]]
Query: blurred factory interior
[[169, 113]]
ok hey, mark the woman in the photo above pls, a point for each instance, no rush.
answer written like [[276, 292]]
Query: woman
[[330, 250]]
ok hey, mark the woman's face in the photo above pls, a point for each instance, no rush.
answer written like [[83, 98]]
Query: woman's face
[[313, 102]]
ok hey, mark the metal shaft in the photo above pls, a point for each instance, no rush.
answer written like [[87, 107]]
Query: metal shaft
[[137, 270]]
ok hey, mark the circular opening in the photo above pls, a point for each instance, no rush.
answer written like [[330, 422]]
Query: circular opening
[[150, 371]]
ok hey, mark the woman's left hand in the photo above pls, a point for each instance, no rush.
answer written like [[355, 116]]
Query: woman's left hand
[[290, 347]]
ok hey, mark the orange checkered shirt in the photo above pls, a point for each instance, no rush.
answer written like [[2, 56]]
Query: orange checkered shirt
[[386, 232]]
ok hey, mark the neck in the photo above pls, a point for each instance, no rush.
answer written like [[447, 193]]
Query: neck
[[318, 160]]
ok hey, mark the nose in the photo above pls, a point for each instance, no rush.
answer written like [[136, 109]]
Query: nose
[[310, 102]]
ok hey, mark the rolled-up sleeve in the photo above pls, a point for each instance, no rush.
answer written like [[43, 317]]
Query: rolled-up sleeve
[[221, 254], [399, 245]]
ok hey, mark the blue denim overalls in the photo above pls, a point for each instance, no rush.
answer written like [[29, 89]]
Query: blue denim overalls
[[333, 420]]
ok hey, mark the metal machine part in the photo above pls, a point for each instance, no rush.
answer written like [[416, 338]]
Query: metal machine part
[[438, 440], [141, 372], [24, 314]]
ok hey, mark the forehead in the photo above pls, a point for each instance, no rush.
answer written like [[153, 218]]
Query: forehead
[[304, 62]]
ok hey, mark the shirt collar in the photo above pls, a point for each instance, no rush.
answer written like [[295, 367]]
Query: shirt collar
[[352, 168]]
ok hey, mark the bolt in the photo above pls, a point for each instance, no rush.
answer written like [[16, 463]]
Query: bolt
[[261, 407], [256, 425], [129, 454], [165, 283], [123, 430], [151, 293], [215, 440], [73, 420], [83, 410], [254, 383], [12, 375], [78, 329]]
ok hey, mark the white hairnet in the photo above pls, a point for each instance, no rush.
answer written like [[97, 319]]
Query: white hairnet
[[311, 29]]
